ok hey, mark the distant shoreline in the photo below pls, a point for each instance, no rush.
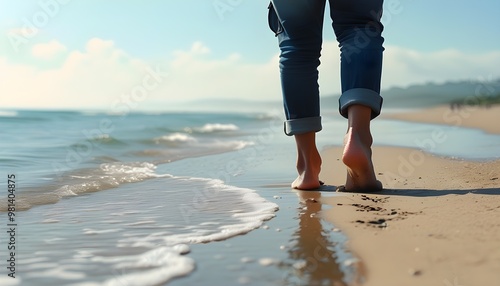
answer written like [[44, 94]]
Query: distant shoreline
[[484, 118]]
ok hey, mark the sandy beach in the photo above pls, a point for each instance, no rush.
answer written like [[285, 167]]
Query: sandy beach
[[435, 224], [437, 221], [467, 116]]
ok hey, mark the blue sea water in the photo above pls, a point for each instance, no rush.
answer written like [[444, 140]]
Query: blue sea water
[[107, 198]]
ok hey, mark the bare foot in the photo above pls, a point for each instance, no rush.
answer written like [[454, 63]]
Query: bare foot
[[308, 163], [357, 157], [308, 177]]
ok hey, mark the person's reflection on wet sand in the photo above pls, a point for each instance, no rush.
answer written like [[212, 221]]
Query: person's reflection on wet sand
[[313, 252]]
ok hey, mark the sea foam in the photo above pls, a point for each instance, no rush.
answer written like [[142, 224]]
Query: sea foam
[[146, 235], [5, 113], [212, 127]]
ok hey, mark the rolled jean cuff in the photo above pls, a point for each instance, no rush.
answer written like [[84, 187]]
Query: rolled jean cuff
[[361, 96], [303, 125]]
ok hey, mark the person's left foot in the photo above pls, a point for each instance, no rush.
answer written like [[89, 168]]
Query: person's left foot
[[308, 167]]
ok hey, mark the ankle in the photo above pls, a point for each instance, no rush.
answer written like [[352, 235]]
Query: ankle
[[309, 161], [361, 135]]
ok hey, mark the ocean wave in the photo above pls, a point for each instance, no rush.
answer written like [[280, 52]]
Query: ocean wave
[[21, 116], [141, 235], [109, 175], [105, 159], [129, 170], [90, 113], [268, 116], [198, 149], [158, 266], [174, 140], [107, 140], [188, 141], [252, 211], [233, 145], [7, 113], [212, 128], [161, 254]]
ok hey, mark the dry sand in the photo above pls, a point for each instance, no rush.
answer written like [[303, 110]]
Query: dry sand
[[437, 222], [487, 119]]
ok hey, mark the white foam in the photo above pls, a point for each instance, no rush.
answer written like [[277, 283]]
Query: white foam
[[109, 175], [182, 248], [175, 138], [268, 261], [247, 260], [213, 127], [167, 238], [145, 222], [210, 223], [49, 220], [154, 267], [89, 231], [139, 168], [299, 265], [65, 191], [54, 240], [6, 113], [257, 210], [231, 145], [60, 271]]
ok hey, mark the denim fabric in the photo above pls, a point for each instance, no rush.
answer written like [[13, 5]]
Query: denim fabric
[[298, 24]]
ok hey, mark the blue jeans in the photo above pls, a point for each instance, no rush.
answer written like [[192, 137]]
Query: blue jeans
[[298, 24]]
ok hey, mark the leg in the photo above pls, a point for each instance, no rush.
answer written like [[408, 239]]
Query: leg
[[308, 162], [358, 31], [300, 38], [357, 154]]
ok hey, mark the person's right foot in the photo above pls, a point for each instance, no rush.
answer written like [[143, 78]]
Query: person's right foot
[[357, 157]]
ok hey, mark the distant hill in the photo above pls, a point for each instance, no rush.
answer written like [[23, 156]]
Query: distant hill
[[431, 94]]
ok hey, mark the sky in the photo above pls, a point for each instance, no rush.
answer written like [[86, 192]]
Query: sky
[[94, 54]]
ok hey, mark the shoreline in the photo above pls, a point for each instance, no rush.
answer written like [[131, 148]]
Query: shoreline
[[435, 222]]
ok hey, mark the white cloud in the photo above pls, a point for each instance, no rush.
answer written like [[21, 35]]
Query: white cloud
[[403, 67], [194, 74], [85, 79], [48, 51], [102, 74]]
